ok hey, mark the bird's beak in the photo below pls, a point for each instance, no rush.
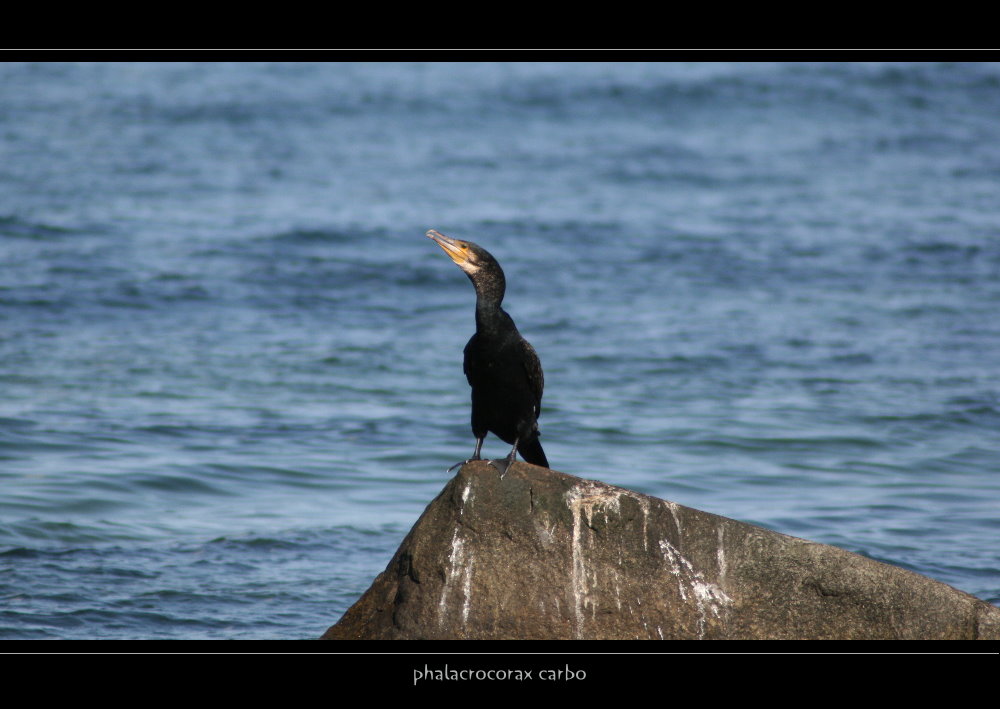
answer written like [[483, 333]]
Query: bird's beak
[[457, 249]]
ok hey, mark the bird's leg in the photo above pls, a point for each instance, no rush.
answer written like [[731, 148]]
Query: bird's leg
[[508, 461], [475, 455]]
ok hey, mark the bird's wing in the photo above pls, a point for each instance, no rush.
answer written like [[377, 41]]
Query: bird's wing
[[533, 368], [469, 362]]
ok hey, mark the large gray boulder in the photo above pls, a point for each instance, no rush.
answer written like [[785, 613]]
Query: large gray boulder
[[544, 555]]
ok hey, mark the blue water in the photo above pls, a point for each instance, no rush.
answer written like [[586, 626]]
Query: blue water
[[230, 361]]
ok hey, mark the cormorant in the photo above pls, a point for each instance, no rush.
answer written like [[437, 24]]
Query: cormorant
[[502, 368]]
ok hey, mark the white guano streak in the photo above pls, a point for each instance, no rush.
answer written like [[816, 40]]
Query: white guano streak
[[588, 498], [459, 573]]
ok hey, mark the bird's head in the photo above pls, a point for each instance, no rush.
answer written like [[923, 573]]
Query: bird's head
[[470, 257]]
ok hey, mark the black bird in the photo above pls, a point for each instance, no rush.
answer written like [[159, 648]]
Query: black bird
[[502, 368]]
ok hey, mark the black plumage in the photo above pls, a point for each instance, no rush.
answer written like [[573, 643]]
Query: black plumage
[[502, 368]]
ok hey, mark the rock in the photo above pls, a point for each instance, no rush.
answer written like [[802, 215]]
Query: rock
[[544, 555]]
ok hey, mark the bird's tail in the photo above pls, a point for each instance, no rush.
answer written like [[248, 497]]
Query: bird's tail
[[532, 453]]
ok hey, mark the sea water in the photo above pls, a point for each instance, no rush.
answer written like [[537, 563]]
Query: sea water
[[231, 363]]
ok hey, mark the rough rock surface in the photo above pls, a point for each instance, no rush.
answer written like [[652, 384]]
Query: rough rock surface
[[544, 555]]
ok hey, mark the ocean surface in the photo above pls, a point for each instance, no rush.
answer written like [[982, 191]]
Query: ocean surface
[[231, 363]]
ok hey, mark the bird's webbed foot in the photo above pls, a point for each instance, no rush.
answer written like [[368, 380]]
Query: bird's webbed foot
[[462, 462], [475, 456], [503, 464]]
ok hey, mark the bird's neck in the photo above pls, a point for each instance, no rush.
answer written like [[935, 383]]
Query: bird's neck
[[490, 317]]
